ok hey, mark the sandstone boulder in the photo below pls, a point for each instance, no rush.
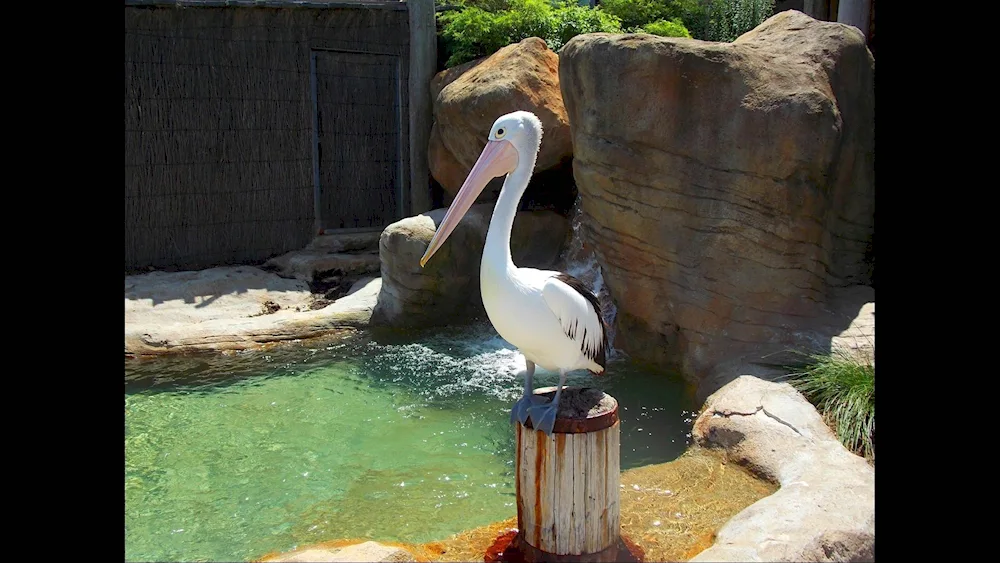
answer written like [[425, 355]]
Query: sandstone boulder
[[825, 508], [470, 97], [446, 290], [727, 189]]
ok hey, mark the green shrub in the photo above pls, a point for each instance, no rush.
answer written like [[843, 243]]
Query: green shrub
[[475, 32], [728, 19], [487, 5], [694, 14], [482, 27], [842, 387], [470, 34], [572, 20], [636, 14], [666, 28]]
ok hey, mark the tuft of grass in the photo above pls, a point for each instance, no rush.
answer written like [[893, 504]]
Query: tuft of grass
[[842, 387]]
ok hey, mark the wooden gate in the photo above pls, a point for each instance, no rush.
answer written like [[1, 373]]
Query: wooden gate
[[359, 141]]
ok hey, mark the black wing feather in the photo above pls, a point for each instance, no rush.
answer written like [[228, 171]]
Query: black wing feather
[[599, 356]]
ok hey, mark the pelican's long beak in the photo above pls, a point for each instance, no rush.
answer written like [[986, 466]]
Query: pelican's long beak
[[499, 158]]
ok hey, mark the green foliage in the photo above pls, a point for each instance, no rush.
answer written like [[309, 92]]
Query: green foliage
[[475, 32], [728, 19], [694, 14], [487, 5], [666, 28], [470, 34], [572, 20], [636, 14], [482, 27], [842, 387]]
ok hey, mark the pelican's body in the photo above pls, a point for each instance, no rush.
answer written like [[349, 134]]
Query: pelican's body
[[516, 305], [549, 316]]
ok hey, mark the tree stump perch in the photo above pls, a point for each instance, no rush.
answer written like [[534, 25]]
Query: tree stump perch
[[568, 484]]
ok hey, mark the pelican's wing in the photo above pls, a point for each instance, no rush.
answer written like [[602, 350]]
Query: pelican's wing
[[578, 313]]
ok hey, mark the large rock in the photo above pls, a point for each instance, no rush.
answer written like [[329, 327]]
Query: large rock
[[470, 97], [446, 290], [727, 189], [845, 327], [825, 508]]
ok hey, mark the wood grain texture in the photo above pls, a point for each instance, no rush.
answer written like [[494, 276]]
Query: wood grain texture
[[567, 490]]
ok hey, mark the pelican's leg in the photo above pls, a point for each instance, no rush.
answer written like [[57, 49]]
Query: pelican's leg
[[528, 399], [543, 417]]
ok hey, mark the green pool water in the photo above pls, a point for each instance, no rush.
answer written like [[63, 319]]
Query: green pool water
[[394, 437]]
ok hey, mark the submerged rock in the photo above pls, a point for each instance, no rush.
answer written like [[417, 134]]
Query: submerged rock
[[825, 508], [446, 291], [367, 552], [727, 188]]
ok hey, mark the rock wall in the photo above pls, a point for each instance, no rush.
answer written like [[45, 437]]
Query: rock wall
[[727, 189]]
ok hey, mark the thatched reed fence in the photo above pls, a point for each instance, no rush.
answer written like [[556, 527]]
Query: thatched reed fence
[[250, 127]]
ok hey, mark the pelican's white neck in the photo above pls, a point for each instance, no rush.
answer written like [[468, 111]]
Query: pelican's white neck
[[496, 254]]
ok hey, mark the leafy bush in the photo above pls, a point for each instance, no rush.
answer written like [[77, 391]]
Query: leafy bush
[[666, 28], [728, 19], [573, 20], [475, 32], [842, 387], [636, 14], [482, 27], [470, 34]]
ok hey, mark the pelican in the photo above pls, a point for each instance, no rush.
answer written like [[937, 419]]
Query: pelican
[[550, 317]]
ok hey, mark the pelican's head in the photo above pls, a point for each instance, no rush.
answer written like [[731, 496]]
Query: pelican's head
[[522, 129], [514, 137]]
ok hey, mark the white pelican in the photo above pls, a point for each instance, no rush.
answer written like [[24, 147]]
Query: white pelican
[[551, 317]]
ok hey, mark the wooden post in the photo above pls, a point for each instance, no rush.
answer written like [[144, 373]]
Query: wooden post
[[423, 64], [568, 483]]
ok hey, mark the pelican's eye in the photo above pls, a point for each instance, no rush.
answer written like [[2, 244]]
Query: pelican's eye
[[500, 133]]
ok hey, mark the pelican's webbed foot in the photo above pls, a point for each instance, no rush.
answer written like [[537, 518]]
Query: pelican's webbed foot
[[523, 407], [543, 417]]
